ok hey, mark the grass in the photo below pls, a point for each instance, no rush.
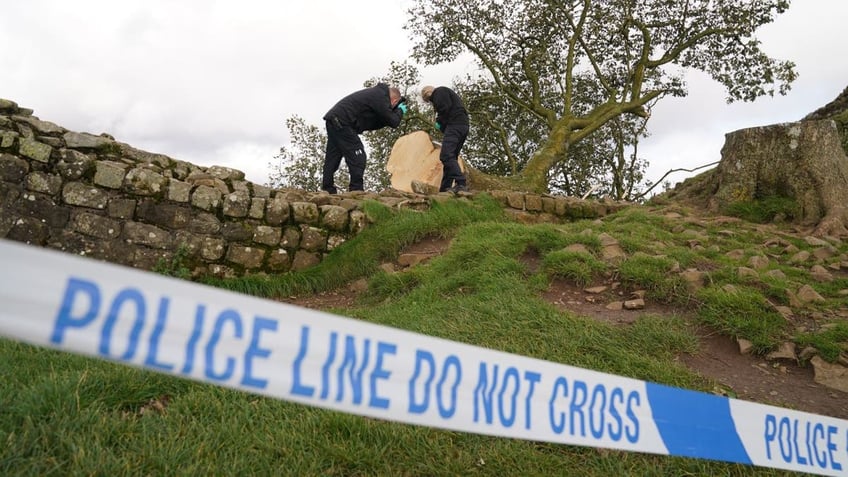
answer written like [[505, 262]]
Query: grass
[[69, 415]]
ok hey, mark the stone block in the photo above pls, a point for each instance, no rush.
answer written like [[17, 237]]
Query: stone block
[[34, 150], [84, 195], [44, 183], [143, 181], [257, 208], [179, 191], [146, 234], [305, 213], [334, 217], [96, 226], [279, 260], [206, 198], [247, 257], [237, 204], [120, 208], [267, 235], [109, 174], [277, 211]]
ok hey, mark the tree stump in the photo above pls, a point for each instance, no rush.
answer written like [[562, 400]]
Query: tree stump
[[804, 161]]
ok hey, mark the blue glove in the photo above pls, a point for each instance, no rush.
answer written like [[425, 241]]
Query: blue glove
[[438, 126], [402, 107]]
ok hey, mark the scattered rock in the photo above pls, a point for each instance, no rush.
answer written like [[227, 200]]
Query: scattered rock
[[820, 274], [831, 375], [807, 294], [808, 353], [596, 290], [737, 254], [758, 262], [747, 272], [800, 257], [785, 351], [637, 304], [745, 346], [785, 312]]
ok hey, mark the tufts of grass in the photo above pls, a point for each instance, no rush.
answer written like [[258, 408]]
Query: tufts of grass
[[830, 342], [652, 274], [579, 267], [742, 313], [765, 210]]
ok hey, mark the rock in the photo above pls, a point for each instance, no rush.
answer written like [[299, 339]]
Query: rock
[[807, 294], [746, 272], [737, 254], [694, 279], [800, 257], [785, 311], [615, 306], [808, 353], [758, 262], [637, 304], [421, 187], [785, 351], [596, 290], [745, 346], [578, 248], [820, 274], [831, 375]]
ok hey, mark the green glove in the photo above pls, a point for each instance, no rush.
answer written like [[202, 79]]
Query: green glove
[[438, 126], [402, 107]]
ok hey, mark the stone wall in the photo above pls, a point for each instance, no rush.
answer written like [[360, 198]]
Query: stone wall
[[92, 195]]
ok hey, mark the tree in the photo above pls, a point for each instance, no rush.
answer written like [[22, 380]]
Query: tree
[[299, 164], [575, 66], [504, 137]]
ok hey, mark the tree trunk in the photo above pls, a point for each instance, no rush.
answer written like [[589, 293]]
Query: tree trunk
[[803, 160], [534, 176]]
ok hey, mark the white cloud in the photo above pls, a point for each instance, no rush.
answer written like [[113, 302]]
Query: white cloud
[[212, 82]]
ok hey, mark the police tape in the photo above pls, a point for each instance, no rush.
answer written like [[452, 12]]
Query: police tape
[[274, 349]]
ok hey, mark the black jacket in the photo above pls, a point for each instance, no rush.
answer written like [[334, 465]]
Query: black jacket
[[449, 108], [366, 110]]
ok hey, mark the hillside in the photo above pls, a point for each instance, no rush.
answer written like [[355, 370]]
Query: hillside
[[774, 374]]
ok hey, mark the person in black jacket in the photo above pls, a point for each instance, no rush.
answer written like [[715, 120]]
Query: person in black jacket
[[365, 110], [452, 120]]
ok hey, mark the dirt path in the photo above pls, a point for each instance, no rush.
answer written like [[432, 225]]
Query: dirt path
[[781, 383]]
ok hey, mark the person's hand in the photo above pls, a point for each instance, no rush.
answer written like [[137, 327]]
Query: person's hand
[[402, 107], [438, 126]]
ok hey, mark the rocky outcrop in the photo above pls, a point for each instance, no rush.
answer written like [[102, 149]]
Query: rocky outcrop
[[92, 195]]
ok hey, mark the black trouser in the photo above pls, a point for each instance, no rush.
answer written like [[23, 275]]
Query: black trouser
[[451, 144], [342, 141]]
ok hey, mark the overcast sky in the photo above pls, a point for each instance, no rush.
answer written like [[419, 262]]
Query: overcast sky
[[212, 82]]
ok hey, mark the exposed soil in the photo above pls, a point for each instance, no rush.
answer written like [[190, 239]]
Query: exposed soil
[[781, 383]]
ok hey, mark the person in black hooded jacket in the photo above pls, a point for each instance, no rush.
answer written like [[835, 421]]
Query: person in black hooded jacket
[[452, 120], [365, 110]]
